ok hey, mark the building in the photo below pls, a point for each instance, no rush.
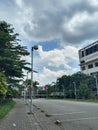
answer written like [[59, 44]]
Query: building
[[88, 57]]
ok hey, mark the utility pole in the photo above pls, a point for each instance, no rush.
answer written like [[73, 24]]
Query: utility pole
[[63, 91], [32, 88], [26, 90], [75, 91], [96, 83]]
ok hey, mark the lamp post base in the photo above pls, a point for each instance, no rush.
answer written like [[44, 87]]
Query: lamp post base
[[30, 113]]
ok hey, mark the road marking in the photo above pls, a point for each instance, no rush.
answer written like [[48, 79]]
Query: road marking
[[79, 119], [57, 114]]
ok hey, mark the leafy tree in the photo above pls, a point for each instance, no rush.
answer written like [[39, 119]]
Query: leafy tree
[[3, 86], [11, 52], [84, 91], [35, 83], [12, 92], [83, 83], [63, 81]]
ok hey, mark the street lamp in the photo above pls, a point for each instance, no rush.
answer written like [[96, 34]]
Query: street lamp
[[54, 90], [26, 89], [75, 91], [63, 91], [31, 106], [96, 83]]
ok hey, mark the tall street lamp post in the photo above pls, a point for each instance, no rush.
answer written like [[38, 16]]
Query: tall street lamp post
[[54, 91], [26, 89], [31, 105], [95, 76], [63, 91], [75, 91]]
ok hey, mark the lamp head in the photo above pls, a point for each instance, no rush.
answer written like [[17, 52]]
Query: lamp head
[[35, 47]]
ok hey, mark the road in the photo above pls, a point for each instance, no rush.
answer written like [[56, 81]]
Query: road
[[73, 115]]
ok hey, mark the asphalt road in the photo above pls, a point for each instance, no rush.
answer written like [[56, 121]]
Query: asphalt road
[[73, 115]]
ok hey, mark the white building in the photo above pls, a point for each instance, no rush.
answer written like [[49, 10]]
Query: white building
[[88, 57]]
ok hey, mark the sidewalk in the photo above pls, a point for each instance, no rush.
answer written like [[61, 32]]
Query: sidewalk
[[18, 119]]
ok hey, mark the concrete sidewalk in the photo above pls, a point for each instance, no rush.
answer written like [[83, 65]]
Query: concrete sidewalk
[[18, 119]]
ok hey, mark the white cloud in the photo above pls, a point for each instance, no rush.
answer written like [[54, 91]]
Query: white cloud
[[58, 57], [53, 58], [63, 20], [52, 19], [47, 76], [19, 3]]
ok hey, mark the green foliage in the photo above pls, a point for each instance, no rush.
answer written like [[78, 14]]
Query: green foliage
[[11, 52], [5, 108], [11, 63], [42, 92], [3, 86], [84, 85], [12, 92], [84, 91], [64, 80]]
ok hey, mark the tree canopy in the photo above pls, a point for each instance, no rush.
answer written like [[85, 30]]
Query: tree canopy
[[11, 52], [77, 85], [3, 86]]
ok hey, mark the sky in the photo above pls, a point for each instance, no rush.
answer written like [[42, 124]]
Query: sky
[[59, 28]]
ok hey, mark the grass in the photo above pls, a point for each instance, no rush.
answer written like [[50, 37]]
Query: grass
[[88, 100], [5, 108], [83, 100], [80, 100]]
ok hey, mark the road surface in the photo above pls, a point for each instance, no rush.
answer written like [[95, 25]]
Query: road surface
[[72, 115]]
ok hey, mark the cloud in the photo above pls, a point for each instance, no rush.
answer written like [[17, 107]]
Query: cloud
[[81, 27], [58, 57], [62, 20], [53, 19], [47, 76]]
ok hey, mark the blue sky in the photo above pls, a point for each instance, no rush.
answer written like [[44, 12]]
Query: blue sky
[[60, 28]]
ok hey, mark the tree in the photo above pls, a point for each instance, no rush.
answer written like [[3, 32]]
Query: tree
[[63, 81], [12, 92], [84, 91], [3, 86], [11, 52], [84, 85]]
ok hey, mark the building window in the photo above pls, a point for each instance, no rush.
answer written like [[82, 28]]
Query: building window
[[87, 52], [82, 53], [92, 49], [95, 48], [96, 64], [82, 61], [90, 66], [83, 68]]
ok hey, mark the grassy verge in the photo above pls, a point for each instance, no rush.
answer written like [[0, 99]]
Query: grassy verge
[[83, 100], [80, 100], [88, 100], [5, 108]]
